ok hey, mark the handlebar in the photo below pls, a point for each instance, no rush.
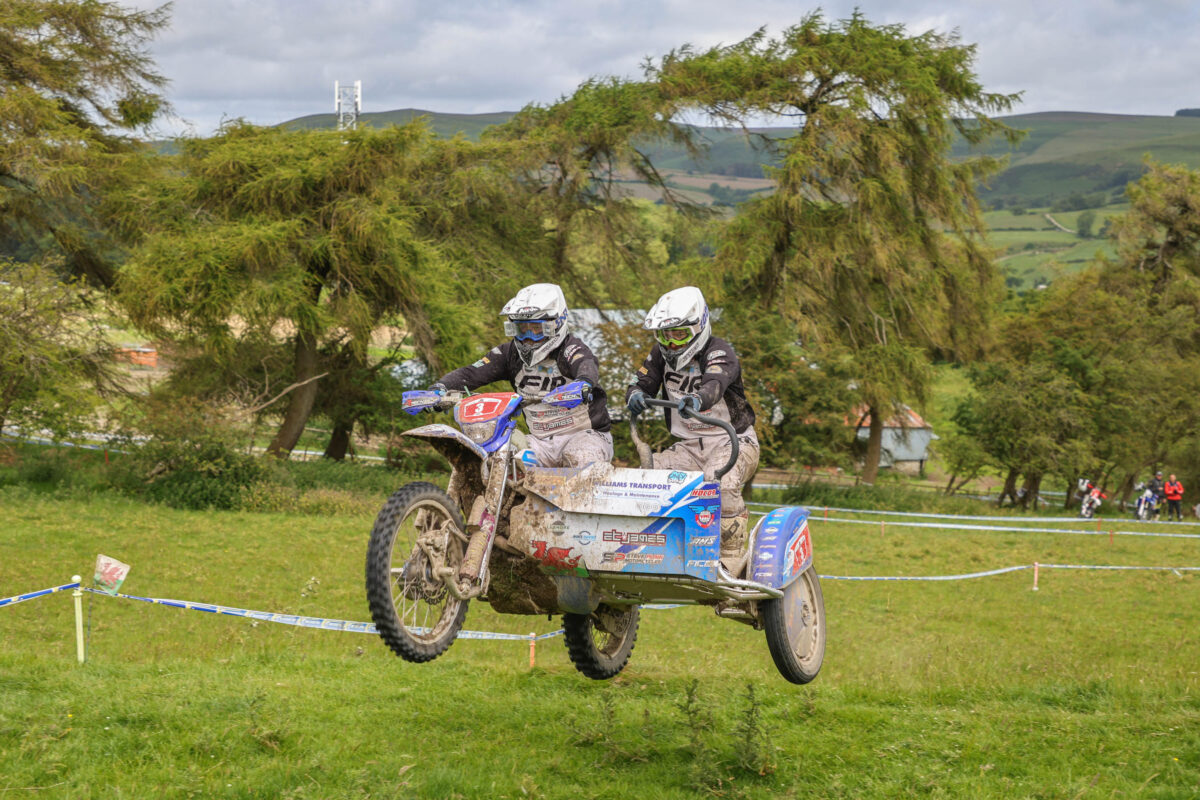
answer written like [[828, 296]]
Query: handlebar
[[707, 420]]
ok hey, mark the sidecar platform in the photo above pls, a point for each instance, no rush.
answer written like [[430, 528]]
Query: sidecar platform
[[645, 535]]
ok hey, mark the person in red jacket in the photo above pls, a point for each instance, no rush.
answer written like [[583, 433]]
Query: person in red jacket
[[1173, 489]]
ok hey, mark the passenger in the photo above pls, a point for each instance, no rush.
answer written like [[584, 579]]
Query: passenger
[[698, 371], [542, 357]]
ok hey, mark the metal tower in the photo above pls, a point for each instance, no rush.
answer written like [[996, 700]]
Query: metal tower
[[347, 104]]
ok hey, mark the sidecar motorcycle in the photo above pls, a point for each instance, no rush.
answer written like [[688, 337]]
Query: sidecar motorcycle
[[592, 544]]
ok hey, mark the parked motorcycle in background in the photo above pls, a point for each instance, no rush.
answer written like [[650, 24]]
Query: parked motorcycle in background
[[1092, 497], [1145, 508]]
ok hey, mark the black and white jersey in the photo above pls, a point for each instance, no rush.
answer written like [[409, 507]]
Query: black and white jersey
[[714, 374], [572, 361]]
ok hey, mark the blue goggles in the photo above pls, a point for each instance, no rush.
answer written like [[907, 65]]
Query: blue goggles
[[530, 330]]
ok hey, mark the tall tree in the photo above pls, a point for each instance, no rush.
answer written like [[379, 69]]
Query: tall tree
[[872, 239], [582, 153], [316, 238], [75, 81]]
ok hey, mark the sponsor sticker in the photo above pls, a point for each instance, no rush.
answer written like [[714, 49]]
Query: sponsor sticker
[[798, 550], [558, 527], [584, 537], [557, 557], [677, 477], [702, 563], [716, 354], [704, 492], [705, 518], [703, 541], [643, 371], [635, 537], [632, 558]]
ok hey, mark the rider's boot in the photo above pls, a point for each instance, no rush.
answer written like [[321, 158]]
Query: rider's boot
[[733, 543]]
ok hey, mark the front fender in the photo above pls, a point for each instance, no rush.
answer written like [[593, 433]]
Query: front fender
[[448, 441], [782, 547]]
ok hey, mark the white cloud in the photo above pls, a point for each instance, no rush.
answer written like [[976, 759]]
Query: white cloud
[[272, 60]]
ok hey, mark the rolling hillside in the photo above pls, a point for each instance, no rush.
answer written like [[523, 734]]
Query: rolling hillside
[[1067, 162]]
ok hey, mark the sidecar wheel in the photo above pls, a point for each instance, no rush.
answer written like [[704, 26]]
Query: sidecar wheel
[[795, 628], [418, 531], [600, 643]]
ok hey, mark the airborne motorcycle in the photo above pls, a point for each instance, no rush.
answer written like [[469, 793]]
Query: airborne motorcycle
[[592, 544]]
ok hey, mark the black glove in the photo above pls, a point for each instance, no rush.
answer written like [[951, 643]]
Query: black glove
[[688, 403], [440, 388], [636, 402]]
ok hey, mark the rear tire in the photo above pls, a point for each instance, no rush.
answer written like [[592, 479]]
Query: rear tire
[[600, 643], [418, 531], [795, 628]]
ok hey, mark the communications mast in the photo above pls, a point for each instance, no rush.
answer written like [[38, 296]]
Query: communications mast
[[347, 104]]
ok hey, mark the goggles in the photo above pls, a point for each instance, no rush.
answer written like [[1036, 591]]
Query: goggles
[[530, 330], [674, 337]]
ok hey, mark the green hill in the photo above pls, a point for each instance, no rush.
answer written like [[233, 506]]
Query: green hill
[[1072, 152], [445, 125], [1063, 153]]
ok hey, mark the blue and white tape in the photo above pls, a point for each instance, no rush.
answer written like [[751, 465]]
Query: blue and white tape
[[21, 598], [319, 623], [976, 518], [1004, 528]]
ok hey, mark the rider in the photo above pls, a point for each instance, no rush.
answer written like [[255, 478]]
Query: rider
[[542, 357], [1157, 486], [700, 372]]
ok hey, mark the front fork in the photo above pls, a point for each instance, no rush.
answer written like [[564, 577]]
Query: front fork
[[470, 580]]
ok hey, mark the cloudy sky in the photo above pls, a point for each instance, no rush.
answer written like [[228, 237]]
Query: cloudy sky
[[273, 60]]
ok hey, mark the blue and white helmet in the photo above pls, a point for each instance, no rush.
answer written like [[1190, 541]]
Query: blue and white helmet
[[536, 321], [681, 326]]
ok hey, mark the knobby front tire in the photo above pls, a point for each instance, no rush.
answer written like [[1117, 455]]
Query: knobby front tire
[[418, 531]]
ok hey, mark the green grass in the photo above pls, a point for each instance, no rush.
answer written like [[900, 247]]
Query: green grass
[[1087, 688]]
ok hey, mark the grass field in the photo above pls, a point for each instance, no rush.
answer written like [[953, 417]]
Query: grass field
[[1087, 688]]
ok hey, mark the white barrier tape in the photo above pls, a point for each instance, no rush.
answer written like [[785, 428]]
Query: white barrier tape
[[965, 577], [21, 598], [1097, 566], [995, 518], [1002, 571], [1006, 529]]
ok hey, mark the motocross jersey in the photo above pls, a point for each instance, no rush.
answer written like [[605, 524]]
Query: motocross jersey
[[572, 361], [715, 374]]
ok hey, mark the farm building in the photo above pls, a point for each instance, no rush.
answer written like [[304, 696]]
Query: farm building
[[906, 438]]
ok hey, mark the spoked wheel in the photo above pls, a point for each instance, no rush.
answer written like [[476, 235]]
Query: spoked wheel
[[795, 628], [418, 532], [600, 643]]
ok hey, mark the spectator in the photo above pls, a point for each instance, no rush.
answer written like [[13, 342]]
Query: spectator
[[1173, 489]]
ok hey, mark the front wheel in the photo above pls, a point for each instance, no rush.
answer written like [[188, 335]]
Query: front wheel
[[600, 643], [418, 533], [795, 628]]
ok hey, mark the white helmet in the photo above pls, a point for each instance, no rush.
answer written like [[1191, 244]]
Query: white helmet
[[537, 321], [681, 325]]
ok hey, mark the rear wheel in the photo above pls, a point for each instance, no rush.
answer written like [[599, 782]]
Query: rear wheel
[[795, 628], [418, 532], [600, 643]]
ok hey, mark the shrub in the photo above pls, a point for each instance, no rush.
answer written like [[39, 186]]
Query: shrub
[[184, 454]]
